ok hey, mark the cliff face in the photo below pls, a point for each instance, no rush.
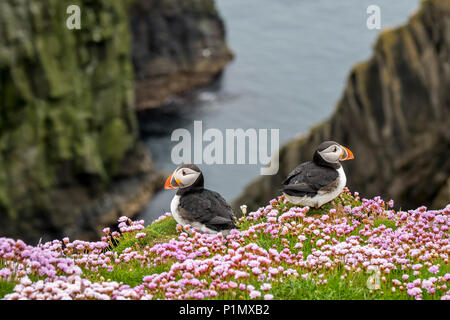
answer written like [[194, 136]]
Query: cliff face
[[67, 129], [70, 162], [394, 115], [177, 46]]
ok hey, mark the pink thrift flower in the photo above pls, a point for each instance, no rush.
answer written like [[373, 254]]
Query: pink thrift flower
[[434, 269], [122, 219], [255, 294], [266, 286], [5, 273]]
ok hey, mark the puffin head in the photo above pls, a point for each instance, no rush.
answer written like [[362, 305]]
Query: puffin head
[[186, 175], [330, 153]]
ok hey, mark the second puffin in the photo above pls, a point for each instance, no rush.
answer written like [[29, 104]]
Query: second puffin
[[205, 210]]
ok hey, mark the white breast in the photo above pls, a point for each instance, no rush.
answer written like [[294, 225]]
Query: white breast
[[342, 181], [174, 208]]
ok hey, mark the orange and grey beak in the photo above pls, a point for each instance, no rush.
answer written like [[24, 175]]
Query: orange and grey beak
[[172, 183], [347, 155]]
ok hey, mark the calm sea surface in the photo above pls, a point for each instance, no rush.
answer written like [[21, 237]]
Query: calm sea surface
[[292, 60]]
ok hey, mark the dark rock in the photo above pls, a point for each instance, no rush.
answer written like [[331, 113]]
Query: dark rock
[[394, 115], [177, 46]]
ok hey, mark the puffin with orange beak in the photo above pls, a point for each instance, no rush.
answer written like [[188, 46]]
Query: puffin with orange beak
[[317, 182], [205, 210]]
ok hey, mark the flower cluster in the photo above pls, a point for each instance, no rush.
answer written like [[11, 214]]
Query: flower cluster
[[405, 254]]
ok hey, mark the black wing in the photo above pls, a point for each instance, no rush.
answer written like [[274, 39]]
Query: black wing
[[308, 178], [207, 207]]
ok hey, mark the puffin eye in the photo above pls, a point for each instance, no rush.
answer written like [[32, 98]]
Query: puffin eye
[[183, 173], [334, 149]]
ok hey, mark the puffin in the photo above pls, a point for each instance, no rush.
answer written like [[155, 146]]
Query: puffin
[[317, 182], [205, 210]]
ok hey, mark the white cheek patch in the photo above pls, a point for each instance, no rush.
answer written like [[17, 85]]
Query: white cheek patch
[[331, 156], [188, 179], [328, 157]]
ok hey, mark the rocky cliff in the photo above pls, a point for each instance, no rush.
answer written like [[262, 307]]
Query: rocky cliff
[[394, 115], [177, 46], [67, 129], [70, 160]]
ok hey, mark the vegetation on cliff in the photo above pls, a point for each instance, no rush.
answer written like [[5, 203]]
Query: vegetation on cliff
[[66, 124], [351, 248]]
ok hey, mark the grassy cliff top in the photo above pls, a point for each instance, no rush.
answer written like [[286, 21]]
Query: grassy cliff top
[[351, 248]]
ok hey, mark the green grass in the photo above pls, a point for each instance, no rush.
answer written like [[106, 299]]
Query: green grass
[[336, 289], [6, 287], [129, 273], [132, 273], [388, 223], [352, 287], [158, 232]]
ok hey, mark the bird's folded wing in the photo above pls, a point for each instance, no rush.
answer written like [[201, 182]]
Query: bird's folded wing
[[300, 190], [212, 209], [293, 173], [309, 180], [220, 220]]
